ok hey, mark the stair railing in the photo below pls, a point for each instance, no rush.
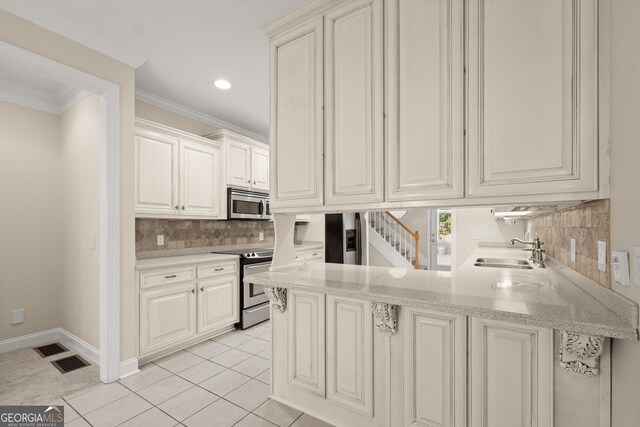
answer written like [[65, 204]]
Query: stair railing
[[397, 234], [405, 232]]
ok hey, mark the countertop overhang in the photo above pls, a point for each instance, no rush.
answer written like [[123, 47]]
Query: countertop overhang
[[540, 297]]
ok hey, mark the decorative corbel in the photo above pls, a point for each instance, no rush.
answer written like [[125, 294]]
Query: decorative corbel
[[278, 297], [385, 317], [580, 354]]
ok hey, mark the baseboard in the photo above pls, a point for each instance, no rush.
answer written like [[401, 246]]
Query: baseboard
[[53, 335], [129, 367], [31, 340], [80, 346]]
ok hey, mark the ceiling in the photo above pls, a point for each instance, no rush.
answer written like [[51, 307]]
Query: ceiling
[[183, 47]]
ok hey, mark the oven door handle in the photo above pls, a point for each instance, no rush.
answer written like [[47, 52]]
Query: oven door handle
[[253, 310]]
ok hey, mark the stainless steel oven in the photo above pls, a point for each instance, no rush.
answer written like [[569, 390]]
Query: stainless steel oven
[[243, 204], [254, 303]]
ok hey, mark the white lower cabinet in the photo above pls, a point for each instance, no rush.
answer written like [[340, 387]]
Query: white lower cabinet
[[167, 316], [511, 375], [434, 369], [306, 361], [218, 303], [181, 304]]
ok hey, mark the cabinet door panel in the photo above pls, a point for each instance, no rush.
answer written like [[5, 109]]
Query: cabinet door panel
[[199, 180], [238, 164], [354, 103], [511, 375], [425, 99], [167, 316], [350, 353], [156, 174], [434, 369], [532, 97], [218, 304], [306, 341], [296, 132], [259, 169]]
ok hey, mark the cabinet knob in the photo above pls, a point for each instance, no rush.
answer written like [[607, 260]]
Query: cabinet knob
[[182, 207], [254, 182], [176, 207], [248, 181], [219, 269], [193, 291], [202, 289], [171, 276]]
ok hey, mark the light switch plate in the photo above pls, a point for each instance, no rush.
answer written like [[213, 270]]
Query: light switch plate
[[494, 235], [602, 255], [477, 235], [620, 267], [636, 258], [573, 250], [17, 316], [261, 236], [160, 240]]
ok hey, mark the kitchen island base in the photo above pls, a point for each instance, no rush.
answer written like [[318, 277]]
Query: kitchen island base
[[351, 362]]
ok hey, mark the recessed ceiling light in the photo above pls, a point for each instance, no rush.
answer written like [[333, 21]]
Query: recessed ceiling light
[[222, 84]]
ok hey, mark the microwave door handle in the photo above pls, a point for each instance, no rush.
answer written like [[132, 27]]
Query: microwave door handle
[[263, 204]]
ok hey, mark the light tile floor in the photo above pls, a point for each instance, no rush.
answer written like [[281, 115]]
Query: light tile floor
[[221, 382]]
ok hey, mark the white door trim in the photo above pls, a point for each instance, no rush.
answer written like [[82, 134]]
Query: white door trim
[[109, 171]]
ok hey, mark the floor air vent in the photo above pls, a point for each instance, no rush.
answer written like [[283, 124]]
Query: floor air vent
[[50, 349], [69, 364]]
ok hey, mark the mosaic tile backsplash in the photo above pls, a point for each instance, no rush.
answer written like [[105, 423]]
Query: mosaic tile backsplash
[[587, 223], [180, 234]]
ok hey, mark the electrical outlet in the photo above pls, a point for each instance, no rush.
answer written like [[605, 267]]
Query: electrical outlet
[[620, 267], [636, 259], [92, 241], [160, 240], [477, 235], [17, 316], [261, 236], [602, 255], [494, 235], [573, 250]]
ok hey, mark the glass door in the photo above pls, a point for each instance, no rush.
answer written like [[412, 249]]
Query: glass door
[[440, 239]]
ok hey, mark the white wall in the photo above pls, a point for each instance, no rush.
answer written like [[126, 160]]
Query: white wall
[[30, 219], [79, 141], [313, 231], [148, 111], [467, 220], [625, 196], [377, 259]]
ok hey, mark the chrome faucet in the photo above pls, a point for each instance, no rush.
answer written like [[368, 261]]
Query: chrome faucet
[[537, 253]]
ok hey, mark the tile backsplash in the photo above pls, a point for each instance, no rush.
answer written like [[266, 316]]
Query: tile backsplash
[[179, 234], [587, 223]]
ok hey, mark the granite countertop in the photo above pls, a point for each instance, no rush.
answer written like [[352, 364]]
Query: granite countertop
[[540, 297], [166, 253], [146, 264]]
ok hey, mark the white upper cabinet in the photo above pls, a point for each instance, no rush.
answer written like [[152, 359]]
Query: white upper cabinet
[[353, 73], [247, 160], [200, 180], [259, 169], [407, 103], [156, 174], [296, 131], [238, 164], [424, 96], [532, 98], [177, 174]]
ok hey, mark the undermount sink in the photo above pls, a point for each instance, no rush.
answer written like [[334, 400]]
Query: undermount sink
[[518, 264]]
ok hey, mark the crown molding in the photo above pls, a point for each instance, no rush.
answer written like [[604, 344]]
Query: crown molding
[[185, 111], [26, 96], [47, 21]]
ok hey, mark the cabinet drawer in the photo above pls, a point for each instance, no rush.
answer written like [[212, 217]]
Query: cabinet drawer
[[314, 254], [217, 269], [167, 276]]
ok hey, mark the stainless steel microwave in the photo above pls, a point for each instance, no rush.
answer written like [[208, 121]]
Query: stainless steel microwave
[[243, 204]]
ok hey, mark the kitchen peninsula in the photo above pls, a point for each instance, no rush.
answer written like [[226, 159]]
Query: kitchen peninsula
[[374, 346]]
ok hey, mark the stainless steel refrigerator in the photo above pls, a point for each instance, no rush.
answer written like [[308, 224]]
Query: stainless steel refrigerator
[[343, 238]]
